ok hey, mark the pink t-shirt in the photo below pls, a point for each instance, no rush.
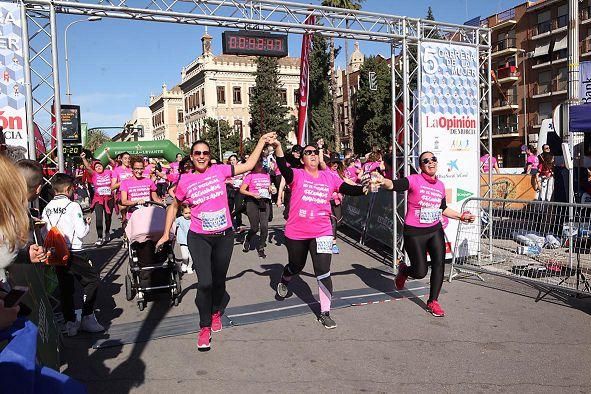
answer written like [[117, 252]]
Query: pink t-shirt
[[121, 173], [258, 183], [309, 211], [486, 162], [371, 166], [174, 167], [533, 160], [138, 189], [102, 182], [351, 173], [148, 170], [206, 194], [423, 202]]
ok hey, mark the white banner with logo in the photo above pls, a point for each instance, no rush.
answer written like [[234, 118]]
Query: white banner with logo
[[12, 81], [449, 123], [585, 78]]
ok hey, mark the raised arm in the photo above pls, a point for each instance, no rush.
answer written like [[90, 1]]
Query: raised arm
[[286, 172], [241, 168], [86, 163], [112, 162]]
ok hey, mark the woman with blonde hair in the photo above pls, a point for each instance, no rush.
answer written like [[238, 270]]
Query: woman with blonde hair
[[14, 228]]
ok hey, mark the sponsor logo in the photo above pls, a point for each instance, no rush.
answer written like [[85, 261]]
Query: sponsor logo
[[462, 194]]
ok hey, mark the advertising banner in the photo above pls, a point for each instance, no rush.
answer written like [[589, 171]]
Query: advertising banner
[[304, 82], [355, 211], [12, 97], [585, 78], [380, 225], [71, 126], [449, 123]]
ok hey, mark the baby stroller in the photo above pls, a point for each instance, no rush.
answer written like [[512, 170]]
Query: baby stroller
[[150, 270]]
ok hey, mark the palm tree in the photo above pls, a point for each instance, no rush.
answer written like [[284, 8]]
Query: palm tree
[[95, 139], [350, 5]]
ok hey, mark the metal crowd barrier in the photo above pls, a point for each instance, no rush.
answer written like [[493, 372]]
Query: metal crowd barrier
[[371, 216], [544, 243]]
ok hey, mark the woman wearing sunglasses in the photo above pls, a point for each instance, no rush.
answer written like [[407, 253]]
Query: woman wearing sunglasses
[[308, 228], [423, 231], [211, 238], [139, 189]]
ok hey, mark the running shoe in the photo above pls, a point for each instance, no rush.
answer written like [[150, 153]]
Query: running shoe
[[99, 242], [204, 339], [262, 254], [183, 268], [246, 246], [327, 321], [435, 309], [71, 328], [282, 290], [216, 322], [90, 324], [401, 277], [335, 249]]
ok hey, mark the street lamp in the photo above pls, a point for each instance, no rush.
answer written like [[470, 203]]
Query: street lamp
[[89, 19]]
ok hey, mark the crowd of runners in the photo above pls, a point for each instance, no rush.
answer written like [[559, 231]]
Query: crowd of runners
[[205, 203]]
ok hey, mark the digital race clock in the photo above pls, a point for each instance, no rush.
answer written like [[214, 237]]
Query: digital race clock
[[254, 43]]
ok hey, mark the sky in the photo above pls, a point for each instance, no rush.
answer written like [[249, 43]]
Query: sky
[[116, 64]]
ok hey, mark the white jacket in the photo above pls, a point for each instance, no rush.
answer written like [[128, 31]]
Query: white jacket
[[67, 216]]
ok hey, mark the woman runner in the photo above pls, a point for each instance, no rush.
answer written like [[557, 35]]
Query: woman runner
[[211, 238], [423, 231], [102, 201], [138, 190], [257, 189], [308, 228], [120, 174]]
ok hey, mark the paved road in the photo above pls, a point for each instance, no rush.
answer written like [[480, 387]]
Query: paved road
[[495, 337]]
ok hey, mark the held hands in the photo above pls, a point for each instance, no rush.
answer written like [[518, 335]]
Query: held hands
[[269, 138], [371, 180]]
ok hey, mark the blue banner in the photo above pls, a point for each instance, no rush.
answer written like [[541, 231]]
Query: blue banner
[[585, 78], [580, 118]]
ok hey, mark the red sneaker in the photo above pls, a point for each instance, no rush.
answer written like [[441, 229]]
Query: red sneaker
[[216, 322], [435, 309], [204, 339], [401, 277]]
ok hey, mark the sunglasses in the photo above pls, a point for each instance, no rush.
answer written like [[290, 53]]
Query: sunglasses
[[309, 152], [428, 160], [200, 153]]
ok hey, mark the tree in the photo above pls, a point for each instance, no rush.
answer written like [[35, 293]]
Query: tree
[[95, 139], [267, 111], [229, 138], [373, 112], [320, 118], [350, 5]]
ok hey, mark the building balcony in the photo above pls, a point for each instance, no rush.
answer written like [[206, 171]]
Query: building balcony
[[586, 47], [504, 19], [509, 103], [547, 28], [549, 63], [536, 123], [509, 130], [508, 74], [506, 46], [549, 89], [585, 15]]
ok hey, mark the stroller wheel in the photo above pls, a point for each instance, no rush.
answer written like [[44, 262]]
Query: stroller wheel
[[129, 292], [141, 305], [175, 301], [177, 280]]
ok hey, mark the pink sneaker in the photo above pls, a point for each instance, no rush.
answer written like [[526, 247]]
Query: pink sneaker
[[400, 276], [216, 322], [435, 309], [204, 339]]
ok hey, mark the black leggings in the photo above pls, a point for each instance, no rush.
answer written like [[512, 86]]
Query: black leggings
[[211, 256], [99, 212], [336, 217], [417, 246], [258, 216], [297, 253]]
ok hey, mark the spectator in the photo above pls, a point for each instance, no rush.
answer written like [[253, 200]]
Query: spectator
[[487, 161], [532, 162], [545, 177]]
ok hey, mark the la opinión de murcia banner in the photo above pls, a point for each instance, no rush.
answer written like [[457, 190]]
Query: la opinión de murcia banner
[[449, 122], [585, 78], [12, 76]]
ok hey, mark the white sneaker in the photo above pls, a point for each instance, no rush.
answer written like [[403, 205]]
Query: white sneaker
[[89, 324], [99, 242], [183, 268], [190, 270], [71, 328]]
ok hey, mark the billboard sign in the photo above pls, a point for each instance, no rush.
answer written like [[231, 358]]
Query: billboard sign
[[71, 125]]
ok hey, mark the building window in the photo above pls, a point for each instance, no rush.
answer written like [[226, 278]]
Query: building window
[[283, 96], [544, 111], [562, 19], [237, 95], [562, 79], [544, 24], [296, 97], [197, 101], [238, 126], [544, 81], [221, 93], [202, 96], [186, 104], [180, 116]]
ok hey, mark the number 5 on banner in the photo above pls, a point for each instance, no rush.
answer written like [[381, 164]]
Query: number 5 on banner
[[430, 63]]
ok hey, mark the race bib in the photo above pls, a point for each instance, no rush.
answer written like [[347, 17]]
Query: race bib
[[104, 191], [264, 193], [430, 215], [214, 221], [324, 245], [236, 183]]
